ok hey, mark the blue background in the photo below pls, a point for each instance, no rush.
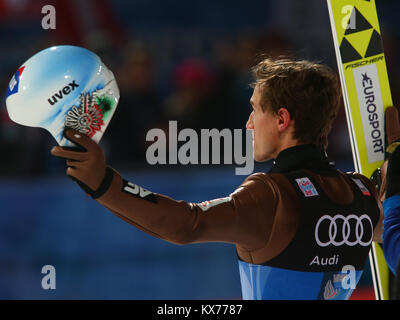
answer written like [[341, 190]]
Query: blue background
[[49, 221]]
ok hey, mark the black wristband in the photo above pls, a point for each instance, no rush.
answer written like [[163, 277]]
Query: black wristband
[[104, 185]]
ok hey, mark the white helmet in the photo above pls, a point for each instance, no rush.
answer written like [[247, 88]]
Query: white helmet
[[63, 87]]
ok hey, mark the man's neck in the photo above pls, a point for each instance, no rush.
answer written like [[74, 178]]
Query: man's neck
[[302, 156], [285, 145]]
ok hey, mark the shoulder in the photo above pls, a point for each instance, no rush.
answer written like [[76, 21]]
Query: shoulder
[[364, 180], [262, 187], [255, 187], [260, 181]]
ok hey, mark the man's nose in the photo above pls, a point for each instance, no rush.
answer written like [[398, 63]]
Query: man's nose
[[249, 124]]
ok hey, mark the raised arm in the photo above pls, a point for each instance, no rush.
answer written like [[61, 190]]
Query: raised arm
[[241, 218]]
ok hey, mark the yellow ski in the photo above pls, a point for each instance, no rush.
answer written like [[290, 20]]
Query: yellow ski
[[366, 94]]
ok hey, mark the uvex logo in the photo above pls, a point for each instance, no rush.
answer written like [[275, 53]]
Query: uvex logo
[[63, 92]]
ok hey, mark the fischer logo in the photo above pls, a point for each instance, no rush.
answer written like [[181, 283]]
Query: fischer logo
[[371, 109], [63, 92], [364, 62]]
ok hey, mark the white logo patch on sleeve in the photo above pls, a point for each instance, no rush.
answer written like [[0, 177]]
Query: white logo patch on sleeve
[[306, 187], [137, 191], [362, 187], [205, 205]]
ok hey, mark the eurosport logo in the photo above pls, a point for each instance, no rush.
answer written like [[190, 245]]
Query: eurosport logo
[[341, 230], [14, 83], [371, 109]]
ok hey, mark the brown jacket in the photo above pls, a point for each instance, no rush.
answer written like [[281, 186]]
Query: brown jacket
[[260, 217]]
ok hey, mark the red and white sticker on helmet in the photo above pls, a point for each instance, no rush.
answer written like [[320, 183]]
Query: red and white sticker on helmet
[[14, 83], [205, 205]]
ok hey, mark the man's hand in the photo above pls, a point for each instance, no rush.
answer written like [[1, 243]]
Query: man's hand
[[87, 167], [391, 167]]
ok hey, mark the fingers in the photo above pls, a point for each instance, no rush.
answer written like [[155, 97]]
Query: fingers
[[76, 164], [75, 172], [392, 124], [80, 139], [69, 155], [71, 172]]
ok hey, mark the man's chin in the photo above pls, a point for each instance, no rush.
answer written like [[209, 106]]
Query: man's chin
[[263, 158]]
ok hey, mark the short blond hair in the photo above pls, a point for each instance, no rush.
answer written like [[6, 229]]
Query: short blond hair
[[308, 90]]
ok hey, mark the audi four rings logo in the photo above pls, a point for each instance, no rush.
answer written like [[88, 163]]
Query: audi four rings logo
[[351, 230]]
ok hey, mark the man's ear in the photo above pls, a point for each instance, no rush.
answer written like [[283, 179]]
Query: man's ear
[[284, 119]]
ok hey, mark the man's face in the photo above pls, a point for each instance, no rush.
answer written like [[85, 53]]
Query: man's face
[[264, 125]]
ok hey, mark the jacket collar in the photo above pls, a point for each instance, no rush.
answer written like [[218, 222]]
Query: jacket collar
[[306, 156]]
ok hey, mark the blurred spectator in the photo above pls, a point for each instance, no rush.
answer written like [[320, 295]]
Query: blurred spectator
[[339, 147], [25, 10], [245, 58], [191, 101], [139, 109], [235, 65], [391, 47], [274, 43], [23, 149]]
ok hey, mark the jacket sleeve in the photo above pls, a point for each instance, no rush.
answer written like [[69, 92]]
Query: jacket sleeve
[[244, 218]]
